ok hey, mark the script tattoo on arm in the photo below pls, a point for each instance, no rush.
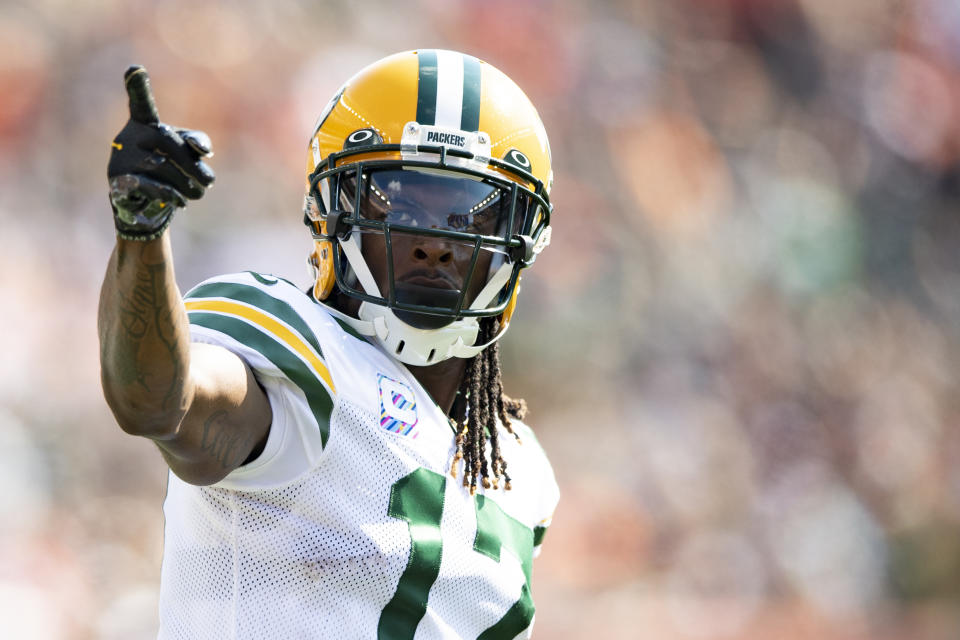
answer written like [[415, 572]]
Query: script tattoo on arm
[[169, 333], [145, 308], [143, 329], [134, 311]]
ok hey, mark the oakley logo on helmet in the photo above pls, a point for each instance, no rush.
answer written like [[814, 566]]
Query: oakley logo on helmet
[[362, 138], [517, 159]]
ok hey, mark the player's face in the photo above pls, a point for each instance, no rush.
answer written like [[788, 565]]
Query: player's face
[[429, 270]]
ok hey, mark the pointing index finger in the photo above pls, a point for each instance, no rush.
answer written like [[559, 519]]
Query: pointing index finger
[[142, 107]]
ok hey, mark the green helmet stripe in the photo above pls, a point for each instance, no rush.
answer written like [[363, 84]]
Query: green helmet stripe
[[470, 113], [427, 87]]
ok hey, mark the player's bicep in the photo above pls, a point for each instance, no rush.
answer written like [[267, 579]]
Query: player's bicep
[[228, 419]]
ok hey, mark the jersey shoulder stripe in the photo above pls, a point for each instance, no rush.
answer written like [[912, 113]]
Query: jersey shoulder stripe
[[271, 327], [262, 320], [349, 330], [254, 336], [257, 298], [263, 309], [538, 533]]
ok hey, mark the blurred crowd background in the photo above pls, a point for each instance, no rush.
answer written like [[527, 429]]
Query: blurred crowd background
[[741, 350]]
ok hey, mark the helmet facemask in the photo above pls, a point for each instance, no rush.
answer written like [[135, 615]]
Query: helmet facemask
[[427, 248]]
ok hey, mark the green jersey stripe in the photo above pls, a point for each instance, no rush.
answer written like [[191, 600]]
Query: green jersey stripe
[[347, 328], [257, 298], [538, 533], [318, 398]]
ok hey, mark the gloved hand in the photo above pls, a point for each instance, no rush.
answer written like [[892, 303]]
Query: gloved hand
[[153, 168]]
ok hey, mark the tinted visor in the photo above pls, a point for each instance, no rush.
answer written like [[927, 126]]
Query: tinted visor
[[432, 239], [433, 200]]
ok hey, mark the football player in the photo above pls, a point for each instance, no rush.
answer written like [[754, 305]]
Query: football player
[[339, 457]]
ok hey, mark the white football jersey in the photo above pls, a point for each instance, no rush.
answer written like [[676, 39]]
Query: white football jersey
[[349, 524]]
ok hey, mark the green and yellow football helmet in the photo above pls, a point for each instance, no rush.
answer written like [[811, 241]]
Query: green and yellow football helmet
[[427, 146]]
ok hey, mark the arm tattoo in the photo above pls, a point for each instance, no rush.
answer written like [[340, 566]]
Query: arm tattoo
[[168, 332], [133, 327], [227, 445], [133, 315], [141, 309]]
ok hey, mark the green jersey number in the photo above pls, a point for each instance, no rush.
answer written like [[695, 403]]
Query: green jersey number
[[417, 498]]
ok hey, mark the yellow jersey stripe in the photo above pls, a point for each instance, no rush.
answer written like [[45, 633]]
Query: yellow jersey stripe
[[291, 339]]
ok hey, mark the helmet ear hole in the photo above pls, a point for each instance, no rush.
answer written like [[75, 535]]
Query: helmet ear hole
[[321, 260]]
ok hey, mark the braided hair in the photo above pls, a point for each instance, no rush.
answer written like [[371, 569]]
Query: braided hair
[[478, 412]]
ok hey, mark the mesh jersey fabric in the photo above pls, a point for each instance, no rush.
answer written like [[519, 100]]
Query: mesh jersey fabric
[[348, 525]]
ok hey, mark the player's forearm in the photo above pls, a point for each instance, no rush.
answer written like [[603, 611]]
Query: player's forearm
[[144, 339]]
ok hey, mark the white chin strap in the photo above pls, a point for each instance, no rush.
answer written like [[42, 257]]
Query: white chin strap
[[408, 344]]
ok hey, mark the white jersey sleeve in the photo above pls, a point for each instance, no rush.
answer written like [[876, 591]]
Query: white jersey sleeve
[[261, 319]]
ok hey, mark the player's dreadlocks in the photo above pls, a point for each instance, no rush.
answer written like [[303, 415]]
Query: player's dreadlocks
[[480, 403]]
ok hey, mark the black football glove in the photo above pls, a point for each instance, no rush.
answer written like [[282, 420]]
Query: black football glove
[[153, 168]]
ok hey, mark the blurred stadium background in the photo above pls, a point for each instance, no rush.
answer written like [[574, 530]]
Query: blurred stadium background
[[741, 350]]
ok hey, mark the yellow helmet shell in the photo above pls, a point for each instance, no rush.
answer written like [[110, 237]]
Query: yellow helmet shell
[[441, 88]]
